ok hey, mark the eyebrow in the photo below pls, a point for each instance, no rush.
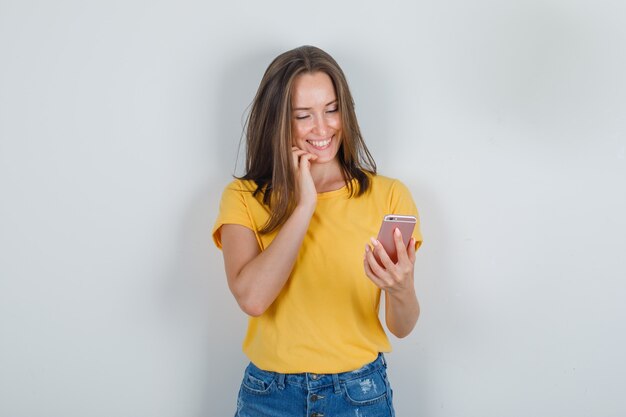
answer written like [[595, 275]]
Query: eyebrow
[[309, 108]]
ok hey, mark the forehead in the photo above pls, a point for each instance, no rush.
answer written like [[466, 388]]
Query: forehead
[[310, 89]]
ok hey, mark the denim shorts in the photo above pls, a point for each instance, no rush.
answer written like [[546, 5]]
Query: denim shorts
[[364, 392]]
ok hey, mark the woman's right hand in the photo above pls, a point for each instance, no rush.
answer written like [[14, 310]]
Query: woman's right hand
[[307, 194]]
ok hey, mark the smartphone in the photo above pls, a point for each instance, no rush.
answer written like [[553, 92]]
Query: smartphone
[[406, 224]]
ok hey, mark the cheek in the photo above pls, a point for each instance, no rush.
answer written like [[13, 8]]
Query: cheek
[[298, 132], [335, 123]]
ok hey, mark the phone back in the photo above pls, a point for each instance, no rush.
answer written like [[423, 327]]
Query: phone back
[[406, 224]]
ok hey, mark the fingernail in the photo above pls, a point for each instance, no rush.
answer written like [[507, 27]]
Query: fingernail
[[367, 248], [397, 232], [374, 241]]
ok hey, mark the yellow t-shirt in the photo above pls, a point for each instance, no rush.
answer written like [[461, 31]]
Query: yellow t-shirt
[[325, 319]]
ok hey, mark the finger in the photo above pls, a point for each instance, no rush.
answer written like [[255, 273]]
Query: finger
[[378, 270], [305, 160], [411, 250], [368, 270], [296, 153], [296, 149], [307, 155], [400, 246], [299, 152], [382, 254], [372, 277]]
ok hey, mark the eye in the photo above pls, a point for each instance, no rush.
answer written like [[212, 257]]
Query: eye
[[333, 110], [301, 117]]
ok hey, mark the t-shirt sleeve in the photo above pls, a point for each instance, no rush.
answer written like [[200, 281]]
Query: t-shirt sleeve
[[402, 203], [233, 210]]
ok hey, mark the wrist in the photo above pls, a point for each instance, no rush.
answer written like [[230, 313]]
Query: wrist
[[403, 296], [305, 209]]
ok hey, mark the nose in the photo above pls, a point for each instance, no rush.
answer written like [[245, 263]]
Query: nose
[[321, 126]]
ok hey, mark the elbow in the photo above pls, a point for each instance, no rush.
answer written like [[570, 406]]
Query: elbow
[[252, 306], [253, 300], [402, 330], [248, 303], [400, 334], [252, 310]]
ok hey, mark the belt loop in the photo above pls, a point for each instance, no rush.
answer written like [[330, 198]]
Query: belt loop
[[281, 381], [336, 384], [383, 359]]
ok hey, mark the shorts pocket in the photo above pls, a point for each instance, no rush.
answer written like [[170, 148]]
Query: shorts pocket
[[366, 390], [258, 382]]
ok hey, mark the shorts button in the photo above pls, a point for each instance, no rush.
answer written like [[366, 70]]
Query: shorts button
[[316, 397], [315, 376]]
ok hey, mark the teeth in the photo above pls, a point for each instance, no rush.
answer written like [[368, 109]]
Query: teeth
[[319, 143]]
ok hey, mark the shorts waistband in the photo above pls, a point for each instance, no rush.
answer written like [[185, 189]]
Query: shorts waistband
[[313, 380]]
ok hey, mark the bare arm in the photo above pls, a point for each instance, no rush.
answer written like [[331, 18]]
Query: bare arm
[[256, 277], [401, 313], [401, 307]]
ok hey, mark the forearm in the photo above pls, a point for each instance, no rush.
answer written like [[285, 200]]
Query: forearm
[[260, 281], [401, 312]]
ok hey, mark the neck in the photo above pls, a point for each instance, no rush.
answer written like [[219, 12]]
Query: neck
[[327, 176]]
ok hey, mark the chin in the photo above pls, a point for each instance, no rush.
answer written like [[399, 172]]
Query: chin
[[320, 161]]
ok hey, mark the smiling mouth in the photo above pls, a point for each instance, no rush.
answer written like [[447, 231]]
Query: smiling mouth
[[320, 144]]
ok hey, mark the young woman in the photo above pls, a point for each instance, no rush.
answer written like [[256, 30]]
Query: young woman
[[297, 238]]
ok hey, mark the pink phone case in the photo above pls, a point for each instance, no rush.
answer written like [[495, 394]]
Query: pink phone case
[[406, 224]]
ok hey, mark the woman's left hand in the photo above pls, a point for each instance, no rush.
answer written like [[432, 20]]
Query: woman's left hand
[[393, 278]]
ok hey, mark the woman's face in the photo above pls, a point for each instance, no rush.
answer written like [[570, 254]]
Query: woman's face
[[316, 121]]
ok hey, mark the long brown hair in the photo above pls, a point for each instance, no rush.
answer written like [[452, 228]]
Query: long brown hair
[[269, 160]]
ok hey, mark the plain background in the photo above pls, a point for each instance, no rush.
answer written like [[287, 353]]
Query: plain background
[[119, 128]]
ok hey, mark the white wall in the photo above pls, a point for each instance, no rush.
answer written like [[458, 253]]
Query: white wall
[[119, 126]]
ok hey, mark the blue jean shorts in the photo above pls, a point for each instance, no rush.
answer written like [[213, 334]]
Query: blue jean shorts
[[364, 392]]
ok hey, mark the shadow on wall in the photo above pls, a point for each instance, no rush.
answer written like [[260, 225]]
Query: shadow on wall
[[203, 309], [196, 298], [412, 362], [236, 86]]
